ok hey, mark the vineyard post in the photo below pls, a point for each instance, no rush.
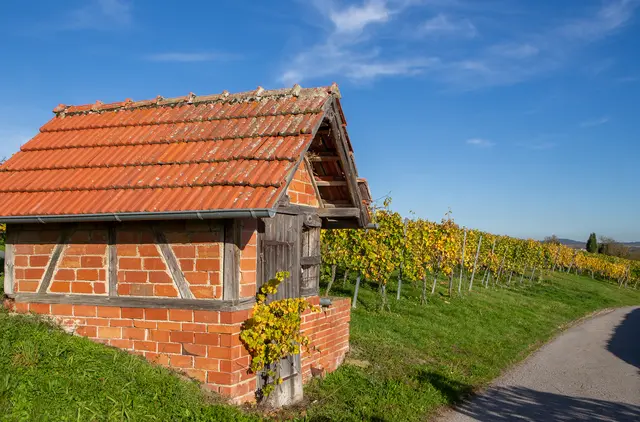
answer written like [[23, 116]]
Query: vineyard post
[[555, 260], [344, 279], [523, 271], [451, 284], [510, 275], [573, 258], [435, 277], [355, 293], [488, 273], [475, 263], [497, 280], [464, 245], [404, 247], [423, 298], [532, 273], [333, 278]]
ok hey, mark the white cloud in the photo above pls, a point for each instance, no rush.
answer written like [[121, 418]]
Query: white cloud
[[100, 15], [370, 39], [612, 16], [184, 57], [345, 51], [595, 122], [480, 143], [356, 18], [443, 25]]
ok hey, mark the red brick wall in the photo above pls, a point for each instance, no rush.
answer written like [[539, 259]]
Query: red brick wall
[[142, 270], [205, 345], [301, 191], [329, 333]]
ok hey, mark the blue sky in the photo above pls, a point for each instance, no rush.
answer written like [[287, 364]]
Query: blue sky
[[520, 116]]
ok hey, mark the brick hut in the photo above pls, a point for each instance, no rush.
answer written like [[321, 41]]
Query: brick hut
[[150, 225]]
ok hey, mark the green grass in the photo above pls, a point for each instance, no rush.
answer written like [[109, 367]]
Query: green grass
[[423, 357], [416, 359], [46, 375]]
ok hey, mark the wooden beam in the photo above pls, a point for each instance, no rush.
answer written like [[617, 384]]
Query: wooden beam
[[231, 260], [312, 176], [172, 265], [323, 158], [53, 263], [323, 183], [296, 210], [343, 151], [8, 263], [112, 262], [339, 212], [136, 302]]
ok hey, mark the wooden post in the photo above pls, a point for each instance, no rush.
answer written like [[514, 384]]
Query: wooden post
[[475, 263], [435, 278], [493, 248], [8, 265], [555, 260], [333, 277], [423, 298], [355, 294], [112, 265], [344, 279], [504, 256], [464, 245], [571, 264], [404, 246], [451, 284], [510, 275], [532, 273], [523, 272]]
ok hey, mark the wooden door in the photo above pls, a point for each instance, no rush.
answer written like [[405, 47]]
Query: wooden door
[[280, 250]]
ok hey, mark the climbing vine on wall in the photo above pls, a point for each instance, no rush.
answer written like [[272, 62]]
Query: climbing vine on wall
[[273, 332]]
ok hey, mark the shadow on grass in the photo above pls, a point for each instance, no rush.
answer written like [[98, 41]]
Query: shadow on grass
[[452, 391], [625, 343], [524, 404]]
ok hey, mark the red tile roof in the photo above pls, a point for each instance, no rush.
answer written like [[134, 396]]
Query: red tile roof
[[196, 153]]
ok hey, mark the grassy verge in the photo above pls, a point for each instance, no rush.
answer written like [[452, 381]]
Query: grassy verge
[[415, 359], [48, 375], [405, 363]]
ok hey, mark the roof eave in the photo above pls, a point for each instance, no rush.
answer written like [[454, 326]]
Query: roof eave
[[141, 216]]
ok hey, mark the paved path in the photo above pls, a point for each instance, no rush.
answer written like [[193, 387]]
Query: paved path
[[590, 373]]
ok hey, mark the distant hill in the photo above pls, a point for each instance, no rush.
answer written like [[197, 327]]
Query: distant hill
[[634, 247], [573, 243]]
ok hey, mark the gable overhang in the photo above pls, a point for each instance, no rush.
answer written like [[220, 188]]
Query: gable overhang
[[353, 210]]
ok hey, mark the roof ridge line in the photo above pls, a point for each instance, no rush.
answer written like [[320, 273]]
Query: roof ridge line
[[224, 97], [146, 164]]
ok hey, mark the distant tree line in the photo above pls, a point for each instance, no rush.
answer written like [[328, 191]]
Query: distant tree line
[[604, 246]]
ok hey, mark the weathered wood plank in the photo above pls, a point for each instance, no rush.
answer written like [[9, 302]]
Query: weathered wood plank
[[323, 158], [296, 210], [312, 220], [113, 262], [231, 260], [136, 302], [312, 176], [53, 263], [342, 149], [172, 265], [339, 212], [9, 262], [306, 261], [326, 183]]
